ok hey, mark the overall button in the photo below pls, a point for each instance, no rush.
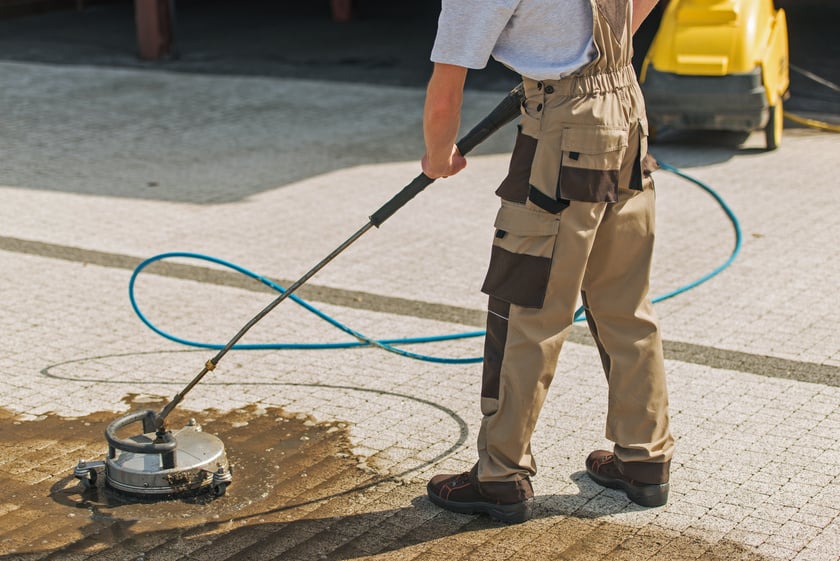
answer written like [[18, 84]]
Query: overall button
[[539, 107], [539, 85], [549, 89]]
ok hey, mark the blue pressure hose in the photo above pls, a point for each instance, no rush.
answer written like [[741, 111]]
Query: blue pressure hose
[[735, 225], [362, 340], [390, 344]]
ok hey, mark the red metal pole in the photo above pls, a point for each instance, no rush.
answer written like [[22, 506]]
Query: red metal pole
[[154, 28], [342, 10]]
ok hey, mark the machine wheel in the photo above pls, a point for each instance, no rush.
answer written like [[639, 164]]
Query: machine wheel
[[89, 482], [653, 134], [775, 126], [219, 490]]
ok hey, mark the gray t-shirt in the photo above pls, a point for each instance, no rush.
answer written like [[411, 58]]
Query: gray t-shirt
[[540, 39]]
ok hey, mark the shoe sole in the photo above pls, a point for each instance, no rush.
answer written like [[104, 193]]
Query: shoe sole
[[649, 495], [509, 514]]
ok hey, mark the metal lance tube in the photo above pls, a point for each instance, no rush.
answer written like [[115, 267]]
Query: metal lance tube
[[503, 113]]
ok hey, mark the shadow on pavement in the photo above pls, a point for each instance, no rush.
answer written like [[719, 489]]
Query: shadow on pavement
[[420, 529], [151, 136]]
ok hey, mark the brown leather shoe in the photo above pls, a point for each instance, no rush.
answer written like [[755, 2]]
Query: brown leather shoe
[[508, 501], [646, 483]]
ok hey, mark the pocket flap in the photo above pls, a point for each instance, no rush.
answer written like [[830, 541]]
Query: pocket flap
[[593, 140], [525, 222]]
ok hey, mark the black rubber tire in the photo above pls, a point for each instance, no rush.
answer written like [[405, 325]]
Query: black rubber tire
[[775, 126], [89, 482], [653, 133]]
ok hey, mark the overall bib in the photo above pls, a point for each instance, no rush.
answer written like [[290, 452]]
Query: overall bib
[[576, 218]]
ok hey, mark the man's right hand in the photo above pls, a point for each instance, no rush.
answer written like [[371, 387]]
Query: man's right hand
[[437, 169]]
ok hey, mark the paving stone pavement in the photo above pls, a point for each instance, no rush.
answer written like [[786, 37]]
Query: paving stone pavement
[[103, 167]]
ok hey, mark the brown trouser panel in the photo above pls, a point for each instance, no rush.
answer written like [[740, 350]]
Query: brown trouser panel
[[577, 218], [604, 251]]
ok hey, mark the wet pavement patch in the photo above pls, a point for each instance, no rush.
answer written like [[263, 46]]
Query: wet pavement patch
[[277, 460], [297, 494]]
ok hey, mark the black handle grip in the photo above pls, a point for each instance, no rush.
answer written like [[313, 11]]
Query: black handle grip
[[397, 201], [505, 112]]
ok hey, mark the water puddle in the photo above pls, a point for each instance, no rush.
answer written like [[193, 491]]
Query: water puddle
[[269, 452], [297, 494]]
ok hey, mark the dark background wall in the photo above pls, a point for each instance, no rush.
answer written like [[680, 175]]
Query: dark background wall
[[386, 42]]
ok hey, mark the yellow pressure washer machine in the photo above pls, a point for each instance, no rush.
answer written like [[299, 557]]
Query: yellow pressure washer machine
[[718, 65]]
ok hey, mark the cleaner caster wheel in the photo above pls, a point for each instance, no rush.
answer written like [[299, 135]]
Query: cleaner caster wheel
[[88, 473], [89, 481], [221, 479]]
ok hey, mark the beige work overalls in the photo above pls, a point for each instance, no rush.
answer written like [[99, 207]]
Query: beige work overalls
[[576, 217]]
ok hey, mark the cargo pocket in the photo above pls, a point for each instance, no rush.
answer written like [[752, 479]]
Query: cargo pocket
[[590, 163], [520, 261]]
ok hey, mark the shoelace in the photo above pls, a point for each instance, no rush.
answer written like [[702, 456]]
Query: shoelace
[[461, 479]]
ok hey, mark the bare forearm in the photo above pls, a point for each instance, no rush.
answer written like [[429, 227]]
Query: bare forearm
[[441, 120], [641, 10]]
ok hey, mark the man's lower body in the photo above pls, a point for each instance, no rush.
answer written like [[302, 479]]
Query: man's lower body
[[603, 252]]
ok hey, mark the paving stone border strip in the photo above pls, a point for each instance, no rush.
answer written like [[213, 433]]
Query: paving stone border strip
[[723, 359]]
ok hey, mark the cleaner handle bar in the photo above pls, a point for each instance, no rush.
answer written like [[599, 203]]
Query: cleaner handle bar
[[164, 443], [504, 113]]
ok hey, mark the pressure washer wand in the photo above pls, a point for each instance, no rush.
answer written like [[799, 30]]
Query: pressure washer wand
[[505, 112]]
